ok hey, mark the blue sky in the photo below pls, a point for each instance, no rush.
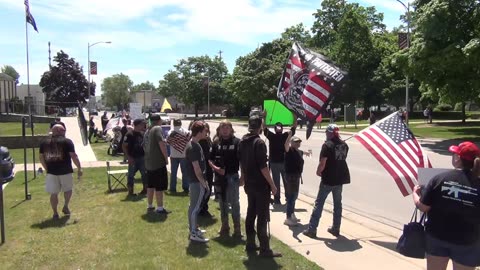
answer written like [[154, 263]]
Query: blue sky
[[149, 36]]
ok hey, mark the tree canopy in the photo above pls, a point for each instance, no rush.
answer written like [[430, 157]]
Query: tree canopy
[[10, 71], [116, 90]]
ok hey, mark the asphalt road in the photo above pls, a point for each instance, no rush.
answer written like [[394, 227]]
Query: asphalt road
[[372, 192]]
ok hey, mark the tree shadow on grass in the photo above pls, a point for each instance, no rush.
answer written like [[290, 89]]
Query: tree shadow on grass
[[197, 250], [254, 261], [54, 223], [153, 217]]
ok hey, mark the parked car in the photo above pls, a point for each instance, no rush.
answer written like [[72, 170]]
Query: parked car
[[165, 118]]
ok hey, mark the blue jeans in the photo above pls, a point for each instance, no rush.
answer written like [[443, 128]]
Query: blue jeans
[[323, 192], [291, 199], [173, 173], [277, 170], [197, 194], [138, 165], [232, 197]]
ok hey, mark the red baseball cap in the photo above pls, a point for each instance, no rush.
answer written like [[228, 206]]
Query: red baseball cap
[[466, 150]]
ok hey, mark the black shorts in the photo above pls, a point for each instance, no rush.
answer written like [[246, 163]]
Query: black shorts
[[158, 179]]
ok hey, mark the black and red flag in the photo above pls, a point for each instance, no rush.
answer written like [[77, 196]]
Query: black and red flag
[[308, 83]]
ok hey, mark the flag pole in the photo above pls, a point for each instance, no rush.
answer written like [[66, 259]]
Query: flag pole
[[28, 68]]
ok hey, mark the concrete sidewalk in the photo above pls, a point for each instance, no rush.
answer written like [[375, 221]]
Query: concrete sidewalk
[[84, 152]]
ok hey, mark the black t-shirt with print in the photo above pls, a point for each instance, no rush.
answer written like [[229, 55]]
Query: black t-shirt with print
[[336, 170], [455, 207], [135, 144], [294, 161], [56, 151]]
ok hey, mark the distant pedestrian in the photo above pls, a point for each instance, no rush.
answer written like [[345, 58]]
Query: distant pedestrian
[[430, 114], [333, 170], [372, 118], [177, 158], [92, 130], [198, 184], [133, 149], [104, 120], [156, 161], [56, 156], [293, 171], [258, 186]]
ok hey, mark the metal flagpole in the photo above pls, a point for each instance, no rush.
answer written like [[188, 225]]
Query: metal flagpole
[[28, 68]]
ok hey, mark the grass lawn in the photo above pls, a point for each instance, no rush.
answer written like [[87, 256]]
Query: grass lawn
[[442, 130], [17, 155], [100, 149], [112, 231], [11, 129]]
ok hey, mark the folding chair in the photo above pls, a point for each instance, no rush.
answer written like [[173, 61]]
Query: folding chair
[[116, 178]]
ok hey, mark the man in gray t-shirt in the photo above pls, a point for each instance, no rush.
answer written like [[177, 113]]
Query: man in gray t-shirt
[[193, 153], [156, 161]]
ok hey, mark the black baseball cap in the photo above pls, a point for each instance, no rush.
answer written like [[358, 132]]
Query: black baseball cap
[[137, 122], [155, 117], [254, 122]]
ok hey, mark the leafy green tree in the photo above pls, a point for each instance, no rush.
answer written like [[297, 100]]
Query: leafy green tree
[[10, 71], [144, 86], [193, 78], [446, 49], [65, 83], [297, 33], [116, 90]]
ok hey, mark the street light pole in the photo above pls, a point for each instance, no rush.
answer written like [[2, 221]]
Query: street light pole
[[208, 96], [407, 8], [88, 76]]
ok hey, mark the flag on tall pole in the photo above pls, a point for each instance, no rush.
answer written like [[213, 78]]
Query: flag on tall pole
[[308, 83], [395, 147], [29, 16]]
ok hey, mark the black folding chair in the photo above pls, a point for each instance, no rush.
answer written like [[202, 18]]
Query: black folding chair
[[116, 178]]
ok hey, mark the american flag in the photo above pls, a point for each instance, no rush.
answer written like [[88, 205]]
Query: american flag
[[29, 16], [178, 141], [308, 82], [394, 146], [402, 40], [93, 68]]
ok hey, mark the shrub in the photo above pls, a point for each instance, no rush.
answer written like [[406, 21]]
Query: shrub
[[443, 108]]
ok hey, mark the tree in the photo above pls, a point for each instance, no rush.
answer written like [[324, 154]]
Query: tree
[[143, 86], [116, 90], [446, 49], [297, 33], [10, 71], [65, 83], [193, 78]]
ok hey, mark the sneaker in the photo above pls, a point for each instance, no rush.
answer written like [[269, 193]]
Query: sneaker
[[198, 238], [200, 232], [334, 232], [290, 222], [150, 208], [293, 217], [66, 211], [311, 234], [269, 254], [163, 211], [55, 217]]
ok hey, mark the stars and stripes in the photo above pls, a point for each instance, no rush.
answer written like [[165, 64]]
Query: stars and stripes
[[178, 141], [307, 84], [402, 40], [29, 16], [395, 147], [93, 68]]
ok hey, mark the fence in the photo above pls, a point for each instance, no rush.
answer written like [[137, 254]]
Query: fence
[[49, 108]]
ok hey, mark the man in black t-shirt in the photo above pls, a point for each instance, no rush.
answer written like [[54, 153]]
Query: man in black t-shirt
[[334, 171], [276, 147], [104, 120], [133, 149], [258, 185], [56, 156]]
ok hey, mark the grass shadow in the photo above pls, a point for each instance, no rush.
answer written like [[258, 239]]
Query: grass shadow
[[228, 241], [254, 261], [153, 217], [116, 190], [206, 221], [132, 198], [197, 250], [54, 223]]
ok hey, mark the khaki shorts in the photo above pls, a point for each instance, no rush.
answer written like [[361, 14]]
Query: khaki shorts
[[56, 183]]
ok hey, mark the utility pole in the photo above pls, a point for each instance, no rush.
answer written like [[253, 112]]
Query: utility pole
[[49, 56], [220, 54]]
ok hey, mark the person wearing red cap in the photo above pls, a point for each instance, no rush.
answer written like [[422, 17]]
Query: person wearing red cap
[[452, 203]]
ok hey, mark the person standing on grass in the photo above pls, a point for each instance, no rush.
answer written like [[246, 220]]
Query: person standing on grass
[[293, 171], [156, 161], [258, 186], [133, 149], [224, 161], [206, 145], [333, 170], [92, 130], [196, 175], [104, 120], [276, 146], [56, 156], [177, 158]]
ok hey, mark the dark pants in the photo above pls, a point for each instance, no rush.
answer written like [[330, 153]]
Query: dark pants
[[258, 208], [92, 132]]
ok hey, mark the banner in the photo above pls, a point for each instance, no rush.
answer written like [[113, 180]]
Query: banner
[[93, 68], [308, 83], [282, 114]]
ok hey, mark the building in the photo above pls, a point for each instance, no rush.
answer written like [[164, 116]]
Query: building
[[151, 100], [37, 97], [8, 91]]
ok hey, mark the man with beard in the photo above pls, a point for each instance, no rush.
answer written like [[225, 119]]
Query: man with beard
[[258, 185]]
